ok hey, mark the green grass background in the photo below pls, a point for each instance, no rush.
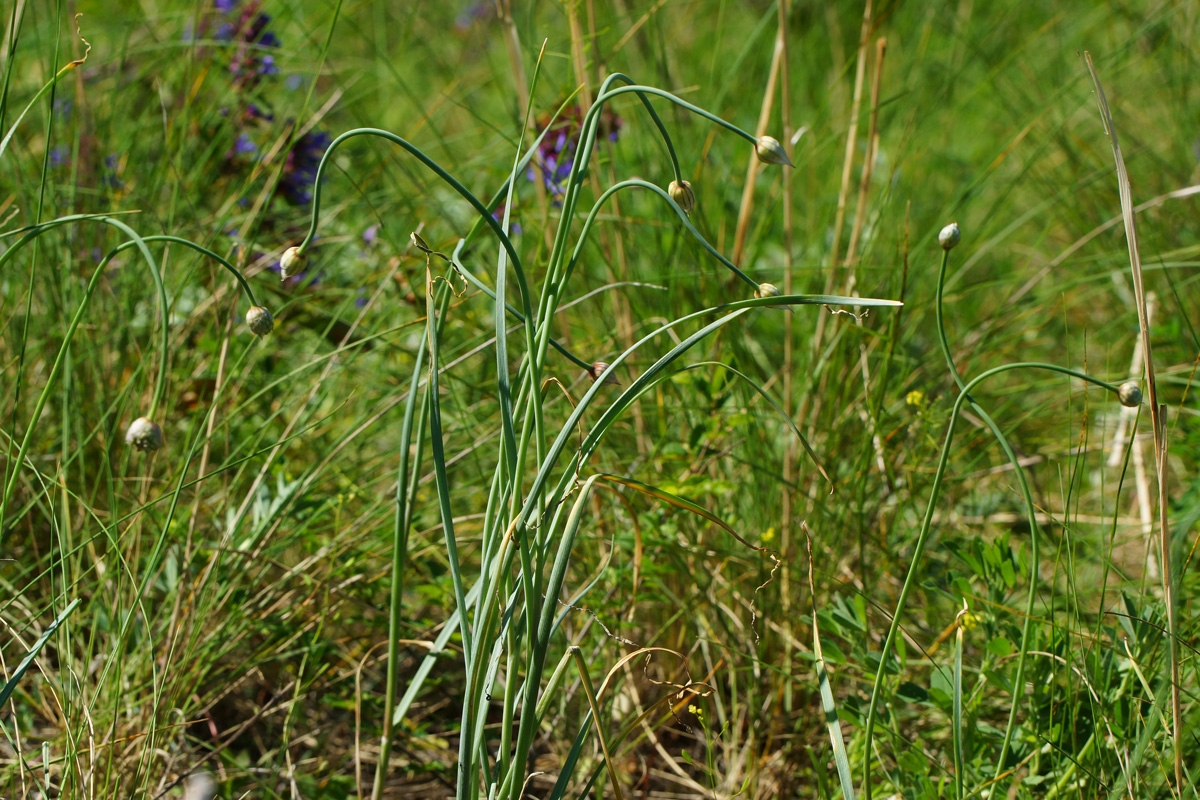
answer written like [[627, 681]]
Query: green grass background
[[256, 652]]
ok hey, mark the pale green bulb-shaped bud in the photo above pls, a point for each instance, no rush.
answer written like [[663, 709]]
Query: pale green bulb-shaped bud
[[260, 321], [770, 151], [291, 263], [145, 435], [597, 369], [681, 192], [949, 236], [1130, 395], [767, 290]]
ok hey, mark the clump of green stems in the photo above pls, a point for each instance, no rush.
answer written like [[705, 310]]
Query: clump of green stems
[[965, 399], [506, 617], [29, 234]]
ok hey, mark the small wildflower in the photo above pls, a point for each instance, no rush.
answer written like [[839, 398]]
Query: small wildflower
[[949, 236], [1130, 395], [681, 192], [598, 369], [767, 536], [968, 620], [145, 435], [244, 146], [915, 398], [259, 321], [770, 151], [291, 262]]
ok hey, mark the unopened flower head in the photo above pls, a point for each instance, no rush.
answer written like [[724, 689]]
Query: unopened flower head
[[681, 192], [597, 369], [145, 435], [260, 321], [767, 290], [1130, 394], [291, 262], [770, 151], [949, 236]]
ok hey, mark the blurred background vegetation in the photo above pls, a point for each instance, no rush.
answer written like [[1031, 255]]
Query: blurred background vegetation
[[255, 653]]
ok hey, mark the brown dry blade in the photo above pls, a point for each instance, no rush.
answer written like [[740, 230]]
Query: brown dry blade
[[1156, 411], [690, 686]]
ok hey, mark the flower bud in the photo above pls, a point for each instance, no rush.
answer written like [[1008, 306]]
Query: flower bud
[[770, 151], [681, 192], [1130, 395], [597, 369], [260, 321], [767, 290], [144, 434], [291, 262], [949, 236]]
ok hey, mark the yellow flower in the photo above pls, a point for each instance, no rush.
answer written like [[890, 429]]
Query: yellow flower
[[767, 536], [915, 398]]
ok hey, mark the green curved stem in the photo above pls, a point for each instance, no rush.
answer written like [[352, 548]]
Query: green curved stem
[[658, 123], [161, 380], [446, 177], [237, 275], [922, 536], [1030, 512], [683, 217], [140, 243]]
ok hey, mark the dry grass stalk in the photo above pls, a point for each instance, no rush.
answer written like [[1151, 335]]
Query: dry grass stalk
[[1157, 410]]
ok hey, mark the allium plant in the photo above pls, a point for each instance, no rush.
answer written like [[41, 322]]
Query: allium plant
[[508, 605]]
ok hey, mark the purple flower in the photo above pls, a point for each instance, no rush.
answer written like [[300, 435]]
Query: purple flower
[[361, 300], [514, 227], [62, 107], [300, 169], [244, 146], [267, 67], [370, 234], [59, 154], [224, 32], [477, 9], [225, 6], [254, 112], [293, 82], [112, 163], [268, 39], [558, 146]]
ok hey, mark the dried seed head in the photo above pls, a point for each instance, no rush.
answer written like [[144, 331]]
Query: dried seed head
[[291, 263], [949, 236], [1130, 395], [260, 321], [770, 151], [597, 369], [144, 434], [681, 192]]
